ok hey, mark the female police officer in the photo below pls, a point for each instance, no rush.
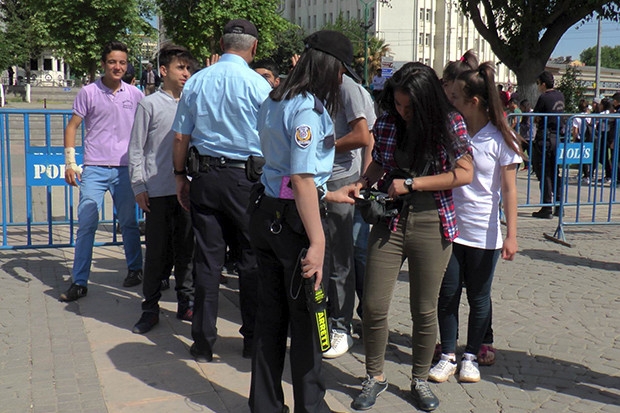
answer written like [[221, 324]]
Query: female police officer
[[297, 140]]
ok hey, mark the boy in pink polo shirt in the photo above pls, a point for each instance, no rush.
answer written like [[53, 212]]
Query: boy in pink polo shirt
[[107, 108]]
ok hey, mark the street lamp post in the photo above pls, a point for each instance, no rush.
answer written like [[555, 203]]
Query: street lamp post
[[366, 25]]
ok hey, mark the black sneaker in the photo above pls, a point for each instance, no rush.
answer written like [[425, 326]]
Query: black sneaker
[[146, 322], [199, 355], [134, 277], [543, 213], [73, 293], [371, 388], [423, 395]]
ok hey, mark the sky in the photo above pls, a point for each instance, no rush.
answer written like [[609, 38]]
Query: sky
[[580, 37]]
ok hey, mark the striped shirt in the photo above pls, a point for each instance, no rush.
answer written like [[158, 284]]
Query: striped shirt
[[383, 153]]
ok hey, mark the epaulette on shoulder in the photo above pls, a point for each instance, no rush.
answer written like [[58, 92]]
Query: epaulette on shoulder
[[318, 105]]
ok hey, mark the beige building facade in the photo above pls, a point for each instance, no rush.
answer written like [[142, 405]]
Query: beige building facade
[[429, 31]]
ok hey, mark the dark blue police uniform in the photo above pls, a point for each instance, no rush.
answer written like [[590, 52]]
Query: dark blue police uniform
[[296, 138]]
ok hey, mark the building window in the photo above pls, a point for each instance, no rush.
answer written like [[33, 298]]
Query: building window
[[427, 39], [421, 14], [58, 66], [34, 64], [47, 64], [348, 15], [308, 22], [421, 38], [299, 21], [428, 15], [324, 18], [314, 21], [331, 18]]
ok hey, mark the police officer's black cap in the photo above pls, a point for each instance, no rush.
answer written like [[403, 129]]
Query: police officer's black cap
[[241, 26], [336, 44]]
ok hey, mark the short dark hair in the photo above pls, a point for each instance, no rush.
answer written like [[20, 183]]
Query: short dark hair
[[547, 78], [267, 64], [616, 96], [170, 51], [111, 46]]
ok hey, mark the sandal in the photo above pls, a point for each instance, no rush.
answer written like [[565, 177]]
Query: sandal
[[486, 355]]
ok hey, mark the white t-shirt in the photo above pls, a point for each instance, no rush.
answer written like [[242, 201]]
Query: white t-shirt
[[477, 204]]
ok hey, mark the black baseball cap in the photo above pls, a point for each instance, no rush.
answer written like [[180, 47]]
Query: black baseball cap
[[241, 26], [336, 44]]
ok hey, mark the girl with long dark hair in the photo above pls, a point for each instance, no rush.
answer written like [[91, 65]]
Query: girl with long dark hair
[[420, 154], [297, 141]]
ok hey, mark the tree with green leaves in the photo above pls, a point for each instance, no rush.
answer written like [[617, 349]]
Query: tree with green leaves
[[572, 89], [354, 30], [523, 34], [289, 43], [198, 25], [77, 29], [610, 57], [21, 36]]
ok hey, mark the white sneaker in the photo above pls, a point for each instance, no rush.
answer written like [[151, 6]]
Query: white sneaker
[[341, 343], [442, 371], [469, 372]]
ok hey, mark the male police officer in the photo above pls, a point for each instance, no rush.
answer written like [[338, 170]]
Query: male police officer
[[217, 118]]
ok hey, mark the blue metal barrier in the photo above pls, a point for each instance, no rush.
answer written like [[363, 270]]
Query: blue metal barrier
[[32, 181], [588, 166]]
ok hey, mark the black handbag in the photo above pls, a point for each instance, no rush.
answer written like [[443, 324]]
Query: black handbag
[[375, 206]]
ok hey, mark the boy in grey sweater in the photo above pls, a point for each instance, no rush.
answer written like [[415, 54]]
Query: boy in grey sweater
[[168, 225]]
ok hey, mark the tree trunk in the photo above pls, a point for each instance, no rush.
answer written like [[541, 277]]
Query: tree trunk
[[92, 72], [526, 81]]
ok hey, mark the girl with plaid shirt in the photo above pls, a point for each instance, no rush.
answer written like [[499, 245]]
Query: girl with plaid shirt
[[422, 136]]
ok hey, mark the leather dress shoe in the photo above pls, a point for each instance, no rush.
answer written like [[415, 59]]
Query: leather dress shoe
[[199, 355]]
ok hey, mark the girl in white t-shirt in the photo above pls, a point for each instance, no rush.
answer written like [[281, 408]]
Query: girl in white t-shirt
[[497, 154]]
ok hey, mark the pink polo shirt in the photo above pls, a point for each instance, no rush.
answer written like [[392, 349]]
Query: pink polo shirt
[[108, 119]]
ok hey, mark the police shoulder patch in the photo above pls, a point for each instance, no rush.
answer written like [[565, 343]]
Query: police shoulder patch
[[303, 136]]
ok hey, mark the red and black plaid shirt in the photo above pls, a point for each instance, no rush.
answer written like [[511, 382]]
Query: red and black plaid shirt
[[383, 153]]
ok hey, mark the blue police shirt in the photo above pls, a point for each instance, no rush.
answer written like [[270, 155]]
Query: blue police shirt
[[297, 137], [218, 108]]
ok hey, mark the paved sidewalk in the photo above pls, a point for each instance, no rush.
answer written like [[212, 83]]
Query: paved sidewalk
[[556, 318]]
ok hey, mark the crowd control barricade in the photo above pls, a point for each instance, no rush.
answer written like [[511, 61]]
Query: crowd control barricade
[[587, 169], [39, 209]]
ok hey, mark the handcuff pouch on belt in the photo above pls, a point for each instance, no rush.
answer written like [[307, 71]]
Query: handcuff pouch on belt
[[254, 168], [193, 162]]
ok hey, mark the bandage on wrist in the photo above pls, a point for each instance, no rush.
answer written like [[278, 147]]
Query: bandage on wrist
[[70, 162]]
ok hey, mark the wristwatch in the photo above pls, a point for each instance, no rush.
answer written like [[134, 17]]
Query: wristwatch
[[181, 172], [409, 184]]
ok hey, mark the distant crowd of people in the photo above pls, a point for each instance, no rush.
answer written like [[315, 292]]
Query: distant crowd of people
[[281, 170]]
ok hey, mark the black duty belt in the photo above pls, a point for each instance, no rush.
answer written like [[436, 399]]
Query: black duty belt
[[207, 162]]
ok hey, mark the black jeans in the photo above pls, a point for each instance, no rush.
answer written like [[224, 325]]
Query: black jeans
[[220, 197], [168, 232], [546, 177]]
